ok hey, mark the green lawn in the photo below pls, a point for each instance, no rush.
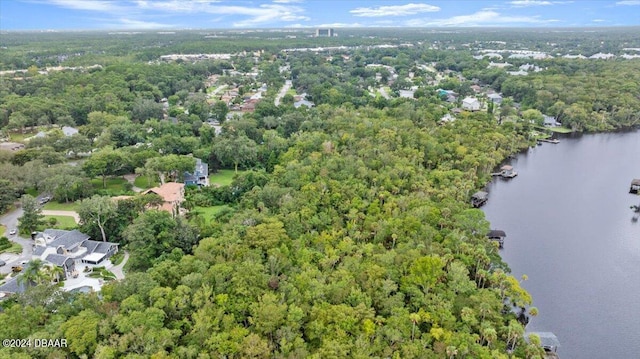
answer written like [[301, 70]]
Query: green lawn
[[19, 136], [115, 186], [143, 182], [560, 129], [55, 206], [222, 177], [63, 222], [15, 249], [208, 212], [291, 92], [2, 230]]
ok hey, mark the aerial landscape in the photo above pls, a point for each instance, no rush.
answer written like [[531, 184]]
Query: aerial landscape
[[319, 179]]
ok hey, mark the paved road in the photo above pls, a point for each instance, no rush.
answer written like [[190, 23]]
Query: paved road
[[384, 93], [283, 91], [10, 220], [117, 270]]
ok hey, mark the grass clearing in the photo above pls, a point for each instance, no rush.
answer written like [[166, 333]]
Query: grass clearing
[[55, 206], [560, 130], [116, 186], [62, 222], [19, 136], [222, 177], [144, 183], [209, 212], [3, 229], [15, 249]]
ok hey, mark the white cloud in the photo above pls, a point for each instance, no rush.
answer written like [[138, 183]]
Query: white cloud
[[629, 2], [287, 1], [98, 5], [480, 18], [599, 20], [528, 3], [332, 25], [394, 10]]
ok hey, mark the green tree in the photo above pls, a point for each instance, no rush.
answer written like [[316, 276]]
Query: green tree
[[32, 217], [97, 210], [236, 150], [106, 162]]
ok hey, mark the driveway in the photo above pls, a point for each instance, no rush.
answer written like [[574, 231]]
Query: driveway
[[287, 85], [10, 220]]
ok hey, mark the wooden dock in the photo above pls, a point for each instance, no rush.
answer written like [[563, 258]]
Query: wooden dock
[[551, 140]]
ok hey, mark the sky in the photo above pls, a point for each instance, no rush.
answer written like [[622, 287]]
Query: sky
[[240, 14]]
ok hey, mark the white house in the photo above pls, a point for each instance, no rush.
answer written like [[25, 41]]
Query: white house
[[471, 104]]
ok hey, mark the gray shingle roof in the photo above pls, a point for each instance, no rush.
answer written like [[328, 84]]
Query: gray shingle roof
[[70, 240], [12, 286], [57, 259], [104, 247], [39, 250], [90, 245]]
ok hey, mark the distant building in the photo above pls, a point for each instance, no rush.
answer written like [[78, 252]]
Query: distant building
[[471, 104], [172, 195], [495, 98], [325, 33], [199, 176], [69, 131], [303, 102]]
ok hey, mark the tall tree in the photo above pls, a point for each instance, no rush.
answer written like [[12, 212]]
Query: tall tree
[[106, 162], [97, 210], [32, 217]]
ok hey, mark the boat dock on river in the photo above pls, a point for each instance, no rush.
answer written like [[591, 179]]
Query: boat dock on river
[[635, 185], [549, 140], [506, 171]]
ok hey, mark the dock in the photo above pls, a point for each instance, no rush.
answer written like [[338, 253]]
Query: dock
[[506, 171], [498, 236], [548, 341], [479, 198], [549, 140]]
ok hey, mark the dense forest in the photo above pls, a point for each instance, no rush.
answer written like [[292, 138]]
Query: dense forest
[[346, 229]]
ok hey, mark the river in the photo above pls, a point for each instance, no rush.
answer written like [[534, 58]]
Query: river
[[570, 230]]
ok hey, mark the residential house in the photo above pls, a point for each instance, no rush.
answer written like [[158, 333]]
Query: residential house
[[69, 131], [69, 249], [172, 195], [199, 176], [406, 93], [495, 98], [550, 121], [471, 104], [303, 102]]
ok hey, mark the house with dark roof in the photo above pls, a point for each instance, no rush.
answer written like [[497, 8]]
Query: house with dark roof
[[69, 249], [199, 176]]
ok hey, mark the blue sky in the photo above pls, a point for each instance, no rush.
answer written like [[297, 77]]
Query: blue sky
[[235, 14]]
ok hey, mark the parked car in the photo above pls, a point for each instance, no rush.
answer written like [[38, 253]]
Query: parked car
[[12, 232]]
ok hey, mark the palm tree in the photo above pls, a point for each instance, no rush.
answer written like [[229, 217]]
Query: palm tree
[[33, 273], [55, 273]]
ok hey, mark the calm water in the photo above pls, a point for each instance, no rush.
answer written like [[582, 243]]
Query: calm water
[[569, 229]]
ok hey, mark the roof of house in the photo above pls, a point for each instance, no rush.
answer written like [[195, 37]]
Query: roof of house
[[69, 131], [57, 259], [170, 191], [69, 240], [470, 100], [104, 247], [303, 103], [496, 233], [480, 195], [13, 286], [90, 245]]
